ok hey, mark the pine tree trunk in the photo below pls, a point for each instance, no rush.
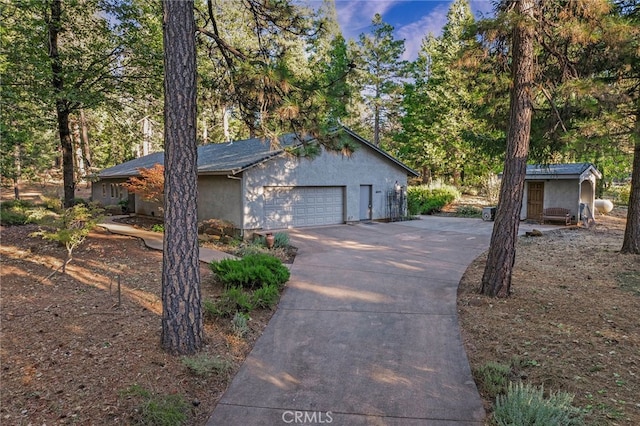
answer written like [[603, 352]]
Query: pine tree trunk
[[17, 161], [496, 280], [62, 109], [631, 242], [182, 328]]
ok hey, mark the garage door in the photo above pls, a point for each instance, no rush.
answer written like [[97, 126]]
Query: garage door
[[298, 206]]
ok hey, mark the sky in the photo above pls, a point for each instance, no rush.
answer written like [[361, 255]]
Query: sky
[[412, 19]]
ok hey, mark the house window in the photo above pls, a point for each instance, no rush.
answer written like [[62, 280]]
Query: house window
[[113, 191], [104, 190]]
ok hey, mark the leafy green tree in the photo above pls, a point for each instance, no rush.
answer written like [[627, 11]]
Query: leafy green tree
[[70, 56], [379, 70], [71, 228]]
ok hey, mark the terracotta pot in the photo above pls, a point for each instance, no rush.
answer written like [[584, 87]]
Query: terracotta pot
[[270, 240]]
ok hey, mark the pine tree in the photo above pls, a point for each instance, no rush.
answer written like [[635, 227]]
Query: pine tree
[[438, 123], [496, 280], [182, 323], [379, 72]]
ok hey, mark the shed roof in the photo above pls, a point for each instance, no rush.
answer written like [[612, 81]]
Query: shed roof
[[561, 171], [234, 157]]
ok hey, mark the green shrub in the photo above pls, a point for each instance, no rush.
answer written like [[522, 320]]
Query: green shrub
[[239, 323], [40, 215], [14, 212], [618, 194], [281, 240], [424, 199], [10, 217], [52, 203], [205, 365], [525, 405], [265, 297], [252, 271], [468, 211], [492, 378], [21, 205], [254, 247], [212, 310], [234, 299], [158, 227], [157, 409], [72, 227]]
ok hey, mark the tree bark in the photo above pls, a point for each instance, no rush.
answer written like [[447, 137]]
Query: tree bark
[[62, 108], [496, 280], [631, 242], [17, 177], [182, 328]]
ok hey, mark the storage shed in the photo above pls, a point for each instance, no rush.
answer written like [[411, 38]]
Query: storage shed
[[559, 185], [259, 188]]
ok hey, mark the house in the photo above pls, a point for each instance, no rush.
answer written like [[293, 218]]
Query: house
[[559, 185], [259, 188]]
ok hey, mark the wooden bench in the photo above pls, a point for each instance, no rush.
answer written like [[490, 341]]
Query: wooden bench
[[556, 214]]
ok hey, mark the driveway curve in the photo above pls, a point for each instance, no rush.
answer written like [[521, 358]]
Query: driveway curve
[[366, 332]]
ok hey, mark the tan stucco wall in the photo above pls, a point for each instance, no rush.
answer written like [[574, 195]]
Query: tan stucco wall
[[566, 193], [148, 208], [220, 197], [109, 192]]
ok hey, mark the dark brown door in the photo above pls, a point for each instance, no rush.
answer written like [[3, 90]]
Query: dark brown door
[[535, 200]]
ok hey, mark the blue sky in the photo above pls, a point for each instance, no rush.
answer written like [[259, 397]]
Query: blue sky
[[412, 19]]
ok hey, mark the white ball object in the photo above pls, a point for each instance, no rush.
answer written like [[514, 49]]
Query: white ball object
[[603, 206]]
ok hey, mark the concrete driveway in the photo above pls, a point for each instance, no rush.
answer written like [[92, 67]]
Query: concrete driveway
[[366, 332]]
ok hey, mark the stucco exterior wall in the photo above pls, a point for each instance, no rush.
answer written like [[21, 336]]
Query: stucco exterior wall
[[220, 197], [557, 193], [148, 208], [364, 167], [109, 192]]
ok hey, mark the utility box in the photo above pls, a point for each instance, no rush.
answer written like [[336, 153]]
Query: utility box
[[488, 213]]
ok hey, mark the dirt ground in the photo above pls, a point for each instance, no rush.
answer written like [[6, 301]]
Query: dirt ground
[[572, 322], [71, 350]]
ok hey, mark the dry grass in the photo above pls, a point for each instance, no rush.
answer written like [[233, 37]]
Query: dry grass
[[572, 322]]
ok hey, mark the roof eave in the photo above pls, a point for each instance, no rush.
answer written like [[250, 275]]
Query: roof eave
[[380, 151]]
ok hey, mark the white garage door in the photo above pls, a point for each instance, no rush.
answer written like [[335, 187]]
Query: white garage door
[[298, 206]]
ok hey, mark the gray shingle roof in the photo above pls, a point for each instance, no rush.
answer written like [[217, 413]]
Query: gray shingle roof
[[212, 158], [232, 157], [568, 169]]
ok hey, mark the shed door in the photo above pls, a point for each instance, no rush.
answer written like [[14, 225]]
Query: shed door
[[535, 199], [298, 206], [365, 202]]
